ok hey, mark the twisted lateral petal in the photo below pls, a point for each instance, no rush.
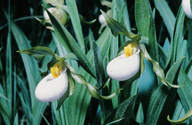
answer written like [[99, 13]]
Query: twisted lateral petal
[[50, 89], [122, 68], [186, 5]]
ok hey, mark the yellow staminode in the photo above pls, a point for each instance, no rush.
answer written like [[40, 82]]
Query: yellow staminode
[[57, 69], [128, 50]]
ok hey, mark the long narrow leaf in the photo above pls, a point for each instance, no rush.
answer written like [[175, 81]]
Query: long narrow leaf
[[32, 71], [122, 114], [64, 36], [146, 26], [177, 37], [166, 14], [74, 16], [185, 92]]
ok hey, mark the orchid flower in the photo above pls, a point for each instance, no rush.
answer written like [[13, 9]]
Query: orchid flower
[[126, 65], [54, 85], [186, 5], [60, 14], [103, 21]]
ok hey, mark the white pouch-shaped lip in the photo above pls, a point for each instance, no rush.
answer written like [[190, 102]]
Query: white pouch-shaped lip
[[122, 68], [45, 14], [50, 89], [101, 19], [186, 5]]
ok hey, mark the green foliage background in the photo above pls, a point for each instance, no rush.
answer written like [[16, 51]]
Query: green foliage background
[[165, 32]]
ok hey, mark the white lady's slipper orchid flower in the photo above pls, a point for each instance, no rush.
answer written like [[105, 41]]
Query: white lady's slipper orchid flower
[[126, 65], [102, 19], [54, 85], [60, 14], [186, 5]]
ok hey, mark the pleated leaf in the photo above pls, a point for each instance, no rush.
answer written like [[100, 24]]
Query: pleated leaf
[[185, 92], [122, 114], [146, 26], [157, 105], [75, 19], [177, 37]]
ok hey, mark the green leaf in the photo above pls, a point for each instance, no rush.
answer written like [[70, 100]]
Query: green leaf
[[118, 28], [142, 17], [146, 26], [162, 97], [185, 92], [16, 119], [66, 114], [163, 56], [98, 64], [126, 18], [38, 52], [2, 96], [64, 37], [166, 14], [106, 106], [158, 104], [188, 69], [71, 56], [32, 71], [172, 73], [182, 50], [122, 114], [3, 107], [75, 19], [177, 37]]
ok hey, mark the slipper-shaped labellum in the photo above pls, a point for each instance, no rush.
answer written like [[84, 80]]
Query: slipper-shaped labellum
[[102, 19], [126, 65], [60, 14], [54, 85], [186, 5]]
